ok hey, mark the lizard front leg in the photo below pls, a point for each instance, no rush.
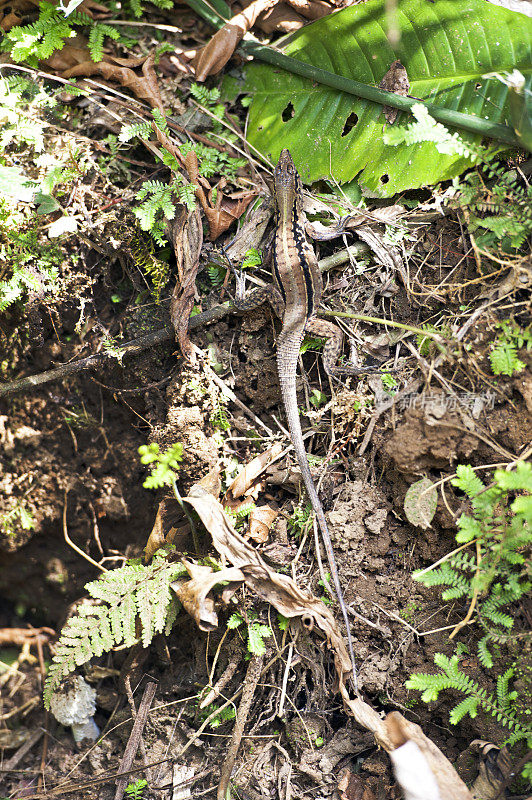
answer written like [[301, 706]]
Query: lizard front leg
[[246, 301]]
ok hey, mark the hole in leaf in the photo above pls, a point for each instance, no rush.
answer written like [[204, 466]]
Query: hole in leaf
[[288, 113], [350, 123], [384, 178]]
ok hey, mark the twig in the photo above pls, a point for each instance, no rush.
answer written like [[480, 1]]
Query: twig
[[280, 711], [250, 684], [74, 546], [223, 680], [135, 736], [9, 765], [133, 347]]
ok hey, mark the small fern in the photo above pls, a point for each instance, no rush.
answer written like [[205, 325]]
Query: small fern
[[133, 595], [426, 129], [164, 466], [497, 200], [426, 344], [156, 269], [159, 119], [219, 417], [141, 129], [135, 791], [205, 96], [240, 515], [49, 33], [97, 34], [212, 161], [138, 9], [157, 205], [224, 714], [34, 267], [501, 527], [256, 632], [451, 677], [18, 517], [503, 357]]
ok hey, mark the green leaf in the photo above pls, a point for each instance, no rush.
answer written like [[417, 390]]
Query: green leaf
[[47, 204], [447, 47], [467, 706], [420, 503]]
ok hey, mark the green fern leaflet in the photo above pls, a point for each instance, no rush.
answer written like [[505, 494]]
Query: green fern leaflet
[[132, 596]]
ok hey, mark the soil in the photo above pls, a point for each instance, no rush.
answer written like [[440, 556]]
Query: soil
[[70, 456]]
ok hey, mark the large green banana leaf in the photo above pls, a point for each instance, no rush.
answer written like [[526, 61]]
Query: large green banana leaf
[[447, 46]]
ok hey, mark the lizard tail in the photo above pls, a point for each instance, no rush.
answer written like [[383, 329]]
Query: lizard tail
[[287, 365]]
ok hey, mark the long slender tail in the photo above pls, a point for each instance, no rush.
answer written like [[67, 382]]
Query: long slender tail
[[287, 365]]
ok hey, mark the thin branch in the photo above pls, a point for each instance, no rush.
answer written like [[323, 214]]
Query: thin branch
[[134, 347]]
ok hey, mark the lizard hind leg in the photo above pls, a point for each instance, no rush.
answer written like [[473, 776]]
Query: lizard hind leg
[[334, 339]]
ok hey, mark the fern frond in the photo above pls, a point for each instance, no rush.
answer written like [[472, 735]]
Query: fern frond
[[468, 706], [159, 119], [517, 479], [97, 34], [141, 129], [123, 596], [484, 655], [504, 359]]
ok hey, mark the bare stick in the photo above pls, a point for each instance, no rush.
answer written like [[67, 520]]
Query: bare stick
[[248, 691], [136, 733], [134, 347]]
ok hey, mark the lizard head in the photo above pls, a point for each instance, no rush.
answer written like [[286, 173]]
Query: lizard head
[[287, 184]]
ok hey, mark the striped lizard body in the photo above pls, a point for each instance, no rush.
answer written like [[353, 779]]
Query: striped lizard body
[[295, 298]]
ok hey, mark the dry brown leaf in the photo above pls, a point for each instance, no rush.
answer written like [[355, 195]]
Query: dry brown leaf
[[225, 212], [170, 527], [209, 60], [261, 519], [494, 772], [251, 471], [215, 55], [193, 593], [396, 81], [311, 9], [250, 233], [157, 538], [280, 18], [74, 61], [387, 254], [10, 20], [353, 787], [187, 240], [273, 587]]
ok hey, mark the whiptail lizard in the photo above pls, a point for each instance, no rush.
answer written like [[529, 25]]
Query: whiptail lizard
[[295, 298]]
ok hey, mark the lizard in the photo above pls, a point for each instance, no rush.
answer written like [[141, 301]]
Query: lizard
[[295, 298]]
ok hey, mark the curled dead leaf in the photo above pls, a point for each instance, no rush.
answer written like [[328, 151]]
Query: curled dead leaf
[[311, 9], [251, 471], [275, 588], [281, 18], [74, 61], [193, 593], [215, 55], [261, 520], [187, 238]]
